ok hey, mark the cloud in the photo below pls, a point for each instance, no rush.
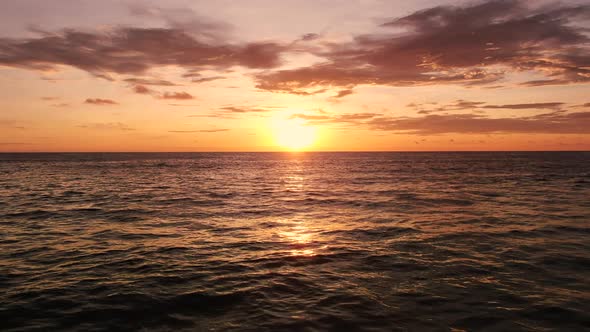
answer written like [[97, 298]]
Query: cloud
[[107, 126], [555, 122], [214, 115], [182, 105], [100, 102], [207, 79], [198, 131], [313, 118], [237, 109], [232, 112], [130, 50], [15, 143], [466, 104], [177, 95], [343, 93], [143, 90], [11, 124], [186, 19], [147, 81], [459, 105], [551, 123], [526, 106], [346, 118], [472, 45], [61, 105], [213, 130], [309, 37]]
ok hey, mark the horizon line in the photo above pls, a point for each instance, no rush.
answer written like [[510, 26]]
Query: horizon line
[[283, 151]]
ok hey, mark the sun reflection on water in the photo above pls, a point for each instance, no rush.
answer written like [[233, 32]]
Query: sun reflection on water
[[300, 239]]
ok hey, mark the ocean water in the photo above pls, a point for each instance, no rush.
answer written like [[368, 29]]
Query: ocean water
[[295, 241]]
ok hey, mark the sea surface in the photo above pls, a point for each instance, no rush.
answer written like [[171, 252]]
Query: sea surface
[[295, 242]]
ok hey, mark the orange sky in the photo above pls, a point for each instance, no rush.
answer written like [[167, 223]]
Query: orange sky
[[262, 75]]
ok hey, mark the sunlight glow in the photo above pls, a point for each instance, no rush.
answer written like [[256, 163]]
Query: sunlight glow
[[293, 134]]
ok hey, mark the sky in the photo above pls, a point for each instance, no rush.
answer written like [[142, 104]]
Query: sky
[[321, 75]]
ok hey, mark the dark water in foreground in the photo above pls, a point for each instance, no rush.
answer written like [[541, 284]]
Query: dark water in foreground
[[315, 241]]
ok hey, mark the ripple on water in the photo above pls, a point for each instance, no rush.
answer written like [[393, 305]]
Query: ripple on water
[[310, 241]]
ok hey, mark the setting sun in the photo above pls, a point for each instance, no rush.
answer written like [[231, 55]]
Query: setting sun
[[293, 134]]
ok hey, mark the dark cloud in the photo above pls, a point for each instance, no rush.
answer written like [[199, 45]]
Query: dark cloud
[[471, 45], [100, 102], [177, 95], [49, 98], [129, 50]]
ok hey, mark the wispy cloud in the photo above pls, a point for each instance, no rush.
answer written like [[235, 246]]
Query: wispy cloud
[[15, 143], [552, 123], [107, 126], [243, 109], [148, 81], [12, 124], [555, 122], [461, 105], [526, 106], [100, 102], [177, 95], [207, 79], [343, 93], [144, 90], [60, 105], [198, 131]]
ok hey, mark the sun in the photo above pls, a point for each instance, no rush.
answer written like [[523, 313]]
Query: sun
[[293, 134]]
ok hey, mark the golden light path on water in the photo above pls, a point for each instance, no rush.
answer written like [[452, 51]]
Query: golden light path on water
[[297, 233]]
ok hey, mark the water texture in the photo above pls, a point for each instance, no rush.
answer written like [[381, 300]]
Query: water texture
[[295, 241]]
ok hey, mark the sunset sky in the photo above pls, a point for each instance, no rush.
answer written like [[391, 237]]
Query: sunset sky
[[265, 75]]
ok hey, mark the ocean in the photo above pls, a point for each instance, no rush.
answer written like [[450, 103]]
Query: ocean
[[453, 241]]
